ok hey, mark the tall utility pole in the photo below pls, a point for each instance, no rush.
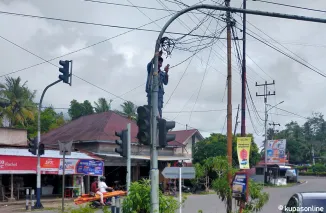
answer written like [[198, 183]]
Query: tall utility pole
[[229, 105], [274, 124], [244, 74], [266, 94]]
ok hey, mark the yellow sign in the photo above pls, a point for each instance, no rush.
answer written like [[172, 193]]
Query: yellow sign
[[243, 149]]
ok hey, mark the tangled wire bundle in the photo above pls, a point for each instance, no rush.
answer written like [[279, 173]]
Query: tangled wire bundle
[[167, 45]]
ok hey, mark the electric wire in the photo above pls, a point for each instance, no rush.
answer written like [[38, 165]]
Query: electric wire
[[97, 24], [293, 6]]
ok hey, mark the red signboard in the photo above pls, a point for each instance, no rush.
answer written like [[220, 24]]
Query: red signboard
[[17, 164], [50, 165]]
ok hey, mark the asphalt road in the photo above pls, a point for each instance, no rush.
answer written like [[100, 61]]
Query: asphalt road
[[212, 204], [278, 196]]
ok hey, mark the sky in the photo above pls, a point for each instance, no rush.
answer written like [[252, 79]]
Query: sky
[[110, 63]]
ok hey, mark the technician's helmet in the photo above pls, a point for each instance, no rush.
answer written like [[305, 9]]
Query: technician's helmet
[[102, 178]]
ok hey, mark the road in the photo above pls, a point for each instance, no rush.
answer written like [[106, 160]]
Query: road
[[212, 204], [278, 196]]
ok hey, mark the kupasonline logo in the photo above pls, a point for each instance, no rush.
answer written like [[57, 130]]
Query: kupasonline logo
[[304, 209]]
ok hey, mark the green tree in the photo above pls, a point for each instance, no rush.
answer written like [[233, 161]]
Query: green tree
[[20, 105], [216, 144], [257, 198], [49, 120], [77, 109], [129, 109], [102, 105]]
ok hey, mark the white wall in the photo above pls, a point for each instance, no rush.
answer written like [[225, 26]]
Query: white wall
[[13, 137], [187, 150]]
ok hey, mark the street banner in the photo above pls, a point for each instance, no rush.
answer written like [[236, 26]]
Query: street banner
[[276, 151], [243, 149]]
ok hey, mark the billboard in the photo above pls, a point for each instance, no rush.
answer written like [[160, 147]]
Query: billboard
[[243, 150], [276, 151]]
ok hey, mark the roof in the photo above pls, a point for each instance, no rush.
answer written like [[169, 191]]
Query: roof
[[184, 135], [101, 127], [47, 154]]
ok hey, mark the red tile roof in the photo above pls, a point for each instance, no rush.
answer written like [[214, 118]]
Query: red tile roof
[[101, 127]]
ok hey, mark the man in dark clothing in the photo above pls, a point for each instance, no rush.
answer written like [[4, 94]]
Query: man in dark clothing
[[163, 78]]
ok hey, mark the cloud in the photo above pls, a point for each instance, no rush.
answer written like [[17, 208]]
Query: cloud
[[119, 64]]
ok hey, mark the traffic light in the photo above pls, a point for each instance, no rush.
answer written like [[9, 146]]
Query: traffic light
[[144, 125], [65, 71], [163, 128], [41, 149], [32, 146], [122, 142]]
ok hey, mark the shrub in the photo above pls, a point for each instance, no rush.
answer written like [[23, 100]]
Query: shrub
[[139, 199]]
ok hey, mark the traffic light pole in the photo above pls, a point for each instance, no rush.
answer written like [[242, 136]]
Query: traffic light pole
[[128, 156], [38, 204]]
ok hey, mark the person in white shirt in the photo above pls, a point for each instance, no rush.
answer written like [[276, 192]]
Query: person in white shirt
[[102, 187]]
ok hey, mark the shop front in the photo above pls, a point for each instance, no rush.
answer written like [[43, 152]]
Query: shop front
[[18, 173]]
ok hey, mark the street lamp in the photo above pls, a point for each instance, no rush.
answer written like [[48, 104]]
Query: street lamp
[[266, 116]]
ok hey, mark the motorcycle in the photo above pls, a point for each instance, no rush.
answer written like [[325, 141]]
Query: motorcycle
[[97, 204]]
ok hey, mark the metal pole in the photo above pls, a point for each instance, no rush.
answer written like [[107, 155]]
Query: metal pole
[[180, 192], [154, 159], [229, 104], [244, 75], [128, 156], [63, 180], [38, 204]]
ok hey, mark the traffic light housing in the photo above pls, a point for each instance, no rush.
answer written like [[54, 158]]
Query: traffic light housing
[[41, 149], [144, 125], [122, 142], [32, 146], [163, 128], [65, 71]]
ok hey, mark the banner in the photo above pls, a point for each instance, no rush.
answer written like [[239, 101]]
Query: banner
[[70, 167], [276, 151], [17, 165], [240, 186], [50, 165], [243, 149], [90, 167]]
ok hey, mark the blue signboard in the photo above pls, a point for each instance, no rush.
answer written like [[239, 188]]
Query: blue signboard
[[90, 167], [239, 186]]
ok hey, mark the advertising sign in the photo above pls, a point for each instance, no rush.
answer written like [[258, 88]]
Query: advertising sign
[[240, 186], [50, 165], [70, 166], [276, 151], [17, 165], [90, 167], [243, 149]]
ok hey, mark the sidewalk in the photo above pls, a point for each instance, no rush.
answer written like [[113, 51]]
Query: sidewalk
[[49, 204]]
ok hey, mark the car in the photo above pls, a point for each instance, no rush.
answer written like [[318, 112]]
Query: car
[[304, 202]]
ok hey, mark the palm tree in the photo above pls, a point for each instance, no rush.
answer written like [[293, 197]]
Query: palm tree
[[129, 110], [102, 105], [20, 106]]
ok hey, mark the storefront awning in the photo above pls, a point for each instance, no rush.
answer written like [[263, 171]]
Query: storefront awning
[[145, 157], [20, 161]]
